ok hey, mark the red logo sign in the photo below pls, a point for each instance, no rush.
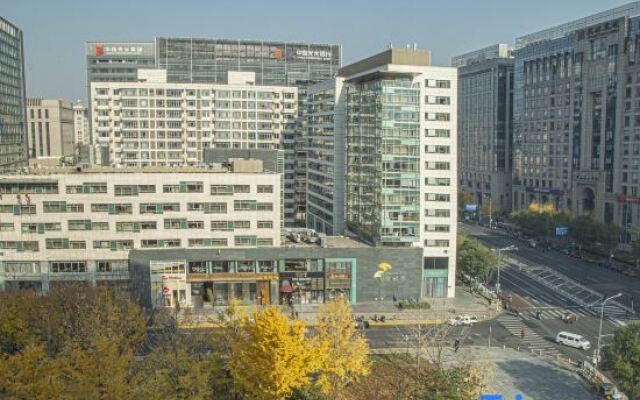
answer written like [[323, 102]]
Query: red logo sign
[[277, 53], [99, 50], [165, 290]]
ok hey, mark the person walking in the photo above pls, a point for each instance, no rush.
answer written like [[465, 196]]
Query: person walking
[[523, 333]]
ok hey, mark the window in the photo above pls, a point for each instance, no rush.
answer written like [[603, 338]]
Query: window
[[265, 242], [148, 225], [99, 226], [437, 197], [127, 226], [436, 243], [68, 266], [195, 206], [54, 206], [104, 266], [207, 242], [170, 188], [221, 189], [75, 208], [100, 207], [241, 224], [241, 189], [436, 263], [6, 226], [78, 244], [244, 241], [152, 243], [126, 190], [437, 213], [265, 188], [264, 206], [265, 224], [175, 223], [79, 224], [244, 205], [436, 228], [437, 181], [56, 243], [221, 226], [195, 224]]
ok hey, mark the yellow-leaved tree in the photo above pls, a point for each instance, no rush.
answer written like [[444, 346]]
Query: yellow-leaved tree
[[347, 350], [31, 374], [271, 356], [545, 208]]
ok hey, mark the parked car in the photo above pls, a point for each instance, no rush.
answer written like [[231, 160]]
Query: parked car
[[532, 243], [463, 320], [573, 340]]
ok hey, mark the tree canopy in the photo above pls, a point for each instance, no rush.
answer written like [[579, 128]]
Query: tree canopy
[[623, 357], [474, 258]]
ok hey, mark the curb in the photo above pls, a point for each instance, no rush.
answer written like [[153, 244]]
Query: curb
[[371, 323]]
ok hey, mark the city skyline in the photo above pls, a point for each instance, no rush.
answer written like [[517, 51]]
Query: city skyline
[[54, 63]]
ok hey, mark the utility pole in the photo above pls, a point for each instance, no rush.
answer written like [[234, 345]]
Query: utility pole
[[597, 360]]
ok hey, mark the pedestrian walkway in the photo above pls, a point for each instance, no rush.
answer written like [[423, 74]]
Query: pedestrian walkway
[[532, 341]]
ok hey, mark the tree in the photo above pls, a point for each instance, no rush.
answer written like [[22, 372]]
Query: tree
[[635, 251], [465, 198], [475, 259], [271, 357], [590, 232], [346, 350], [623, 357], [31, 374]]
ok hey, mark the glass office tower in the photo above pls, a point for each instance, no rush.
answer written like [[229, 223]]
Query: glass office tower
[[12, 98], [383, 160]]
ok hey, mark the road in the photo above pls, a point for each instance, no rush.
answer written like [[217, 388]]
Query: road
[[554, 285]]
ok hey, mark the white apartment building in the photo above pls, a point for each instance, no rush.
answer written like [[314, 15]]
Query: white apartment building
[[383, 153], [61, 224], [80, 124], [152, 122]]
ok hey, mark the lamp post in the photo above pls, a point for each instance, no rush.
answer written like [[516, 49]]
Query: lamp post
[[597, 360], [508, 248]]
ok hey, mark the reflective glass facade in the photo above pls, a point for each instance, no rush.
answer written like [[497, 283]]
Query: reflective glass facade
[[12, 98], [383, 161]]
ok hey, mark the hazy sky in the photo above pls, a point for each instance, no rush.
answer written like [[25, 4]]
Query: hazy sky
[[55, 30]]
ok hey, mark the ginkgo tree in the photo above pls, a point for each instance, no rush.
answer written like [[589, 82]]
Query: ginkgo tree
[[271, 356], [347, 350]]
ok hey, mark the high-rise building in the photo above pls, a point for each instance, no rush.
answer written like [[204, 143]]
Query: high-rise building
[[80, 125], [152, 122], [50, 128], [485, 125], [13, 141], [577, 117], [389, 122], [207, 60]]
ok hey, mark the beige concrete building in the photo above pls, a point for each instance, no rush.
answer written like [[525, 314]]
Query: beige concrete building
[[50, 128], [80, 124], [62, 222]]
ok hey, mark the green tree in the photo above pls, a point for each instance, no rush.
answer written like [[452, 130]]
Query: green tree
[[623, 357], [475, 259]]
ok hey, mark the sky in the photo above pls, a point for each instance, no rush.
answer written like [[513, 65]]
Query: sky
[[55, 30]]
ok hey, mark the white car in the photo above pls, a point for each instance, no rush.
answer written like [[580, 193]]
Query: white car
[[463, 320], [573, 340]]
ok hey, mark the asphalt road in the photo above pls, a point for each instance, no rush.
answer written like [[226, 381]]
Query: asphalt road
[[554, 285]]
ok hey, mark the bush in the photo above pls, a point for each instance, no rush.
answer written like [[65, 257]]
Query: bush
[[410, 305]]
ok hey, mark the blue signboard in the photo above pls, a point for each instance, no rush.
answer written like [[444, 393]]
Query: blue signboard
[[562, 231], [471, 207]]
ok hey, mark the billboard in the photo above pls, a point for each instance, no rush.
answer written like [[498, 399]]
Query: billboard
[[562, 231], [471, 207]]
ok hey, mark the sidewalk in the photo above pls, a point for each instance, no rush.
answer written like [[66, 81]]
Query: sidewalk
[[440, 311]]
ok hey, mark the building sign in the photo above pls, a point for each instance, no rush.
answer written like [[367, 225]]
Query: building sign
[[173, 277], [555, 192], [628, 199], [102, 50], [562, 231], [471, 207], [301, 54]]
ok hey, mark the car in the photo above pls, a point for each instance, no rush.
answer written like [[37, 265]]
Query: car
[[573, 340], [532, 243], [463, 320]]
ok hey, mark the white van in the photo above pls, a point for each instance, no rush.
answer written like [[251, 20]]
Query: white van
[[573, 340]]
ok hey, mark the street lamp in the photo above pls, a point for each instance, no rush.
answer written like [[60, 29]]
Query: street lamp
[[597, 360], [508, 248]]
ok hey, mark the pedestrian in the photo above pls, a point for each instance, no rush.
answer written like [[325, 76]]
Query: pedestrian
[[456, 345], [523, 333]]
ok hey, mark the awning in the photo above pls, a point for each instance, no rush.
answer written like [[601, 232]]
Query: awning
[[286, 288]]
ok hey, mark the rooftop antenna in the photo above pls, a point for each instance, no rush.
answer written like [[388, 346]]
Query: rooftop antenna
[[389, 45]]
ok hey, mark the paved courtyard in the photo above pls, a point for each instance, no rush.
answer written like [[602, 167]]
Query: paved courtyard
[[512, 372]]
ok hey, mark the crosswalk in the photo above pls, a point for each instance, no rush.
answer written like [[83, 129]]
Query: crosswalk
[[613, 313], [532, 341]]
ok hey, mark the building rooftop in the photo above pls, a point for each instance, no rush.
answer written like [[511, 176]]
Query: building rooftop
[[234, 165], [330, 242], [500, 50], [627, 10], [414, 57]]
